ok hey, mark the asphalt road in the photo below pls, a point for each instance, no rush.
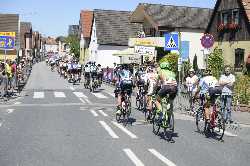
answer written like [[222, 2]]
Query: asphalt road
[[57, 124]]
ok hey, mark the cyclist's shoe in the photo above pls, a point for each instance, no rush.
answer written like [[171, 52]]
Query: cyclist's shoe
[[118, 110]]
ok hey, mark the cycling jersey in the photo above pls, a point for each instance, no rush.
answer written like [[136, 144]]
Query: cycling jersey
[[168, 76], [93, 68], [87, 69]]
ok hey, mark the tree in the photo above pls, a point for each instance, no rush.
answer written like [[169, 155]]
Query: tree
[[74, 45], [216, 62], [195, 65]]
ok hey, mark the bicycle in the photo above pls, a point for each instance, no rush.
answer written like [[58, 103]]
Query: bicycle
[[141, 99], [125, 109], [164, 119], [216, 125]]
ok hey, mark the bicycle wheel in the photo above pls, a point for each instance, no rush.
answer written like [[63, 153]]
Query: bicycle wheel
[[169, 130], [219, 129], [200, 120], [156, 124]]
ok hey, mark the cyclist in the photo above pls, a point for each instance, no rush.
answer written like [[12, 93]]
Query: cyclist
[[151, 82], [87, 73], [124, 83], [99, 74], [167, 80], [208, 89]]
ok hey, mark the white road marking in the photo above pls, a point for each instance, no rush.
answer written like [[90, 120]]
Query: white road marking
[[161, 157], [99, 95], [227, 133], [133, 157], [38, 95], [72, 88], [1, 124], [94, 113], [109, 130], [59, 94], [133, 136], [16, 103], [80, 95], [103, 113], [89, 102], [111, 94], [82, 100], [9, 111]]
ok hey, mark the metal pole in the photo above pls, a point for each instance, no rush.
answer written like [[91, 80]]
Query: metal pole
[[5, 54], [179, 57]]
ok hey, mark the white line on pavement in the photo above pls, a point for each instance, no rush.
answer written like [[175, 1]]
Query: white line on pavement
[[59, 94], [133, 157], [9, 111], [38, 95], [94, 113], [82, 100], [125, 130], [80, 95], [72, 88], [161, 157], [99, 95], [87, 100], [109, 130], [1, 124], [111, 94], [16, 103], [103, 113]]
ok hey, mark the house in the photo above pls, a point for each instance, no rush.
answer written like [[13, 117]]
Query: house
[[230, 26], [25, 38], [85, 28], [158, 19], [111, 31], [51, 46], [10, 23]]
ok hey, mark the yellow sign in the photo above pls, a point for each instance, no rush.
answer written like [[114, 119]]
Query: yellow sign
[[12, 34], [148, 41]]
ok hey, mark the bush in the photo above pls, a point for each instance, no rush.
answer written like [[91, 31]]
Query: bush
[[242, 89], [172, 58], [216, 62]]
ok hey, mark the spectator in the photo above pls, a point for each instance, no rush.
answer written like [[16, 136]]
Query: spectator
[[227, 81]]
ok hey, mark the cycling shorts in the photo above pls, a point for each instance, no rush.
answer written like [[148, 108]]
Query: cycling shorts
[[168, 89], [126, 85]]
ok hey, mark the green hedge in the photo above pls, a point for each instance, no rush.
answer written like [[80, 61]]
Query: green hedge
[[242, 89]]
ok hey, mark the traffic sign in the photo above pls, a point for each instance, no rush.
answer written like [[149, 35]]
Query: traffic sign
[[171, 41], [7, 40], [207, 41]]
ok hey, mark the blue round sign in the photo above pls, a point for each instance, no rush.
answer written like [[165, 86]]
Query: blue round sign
[[207, 41]]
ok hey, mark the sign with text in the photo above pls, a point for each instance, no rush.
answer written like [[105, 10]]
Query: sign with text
[[7, 40], [148, 41], [142, 50]]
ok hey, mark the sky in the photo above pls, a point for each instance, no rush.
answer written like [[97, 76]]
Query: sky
[[52, 17]]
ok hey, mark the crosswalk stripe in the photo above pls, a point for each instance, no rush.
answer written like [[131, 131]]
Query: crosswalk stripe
[[133, 157], [133, 136], [38, 95], [161, 157], [94, 113], [82, 100], [103, 113], [111, 94], [99, 95], [80, 94], [108, 129], [59, 95]]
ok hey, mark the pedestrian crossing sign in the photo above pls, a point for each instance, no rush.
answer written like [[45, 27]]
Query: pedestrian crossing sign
[[171, 41]]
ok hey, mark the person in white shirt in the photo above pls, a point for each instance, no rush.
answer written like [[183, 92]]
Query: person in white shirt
[[191, 83], [227, 81]]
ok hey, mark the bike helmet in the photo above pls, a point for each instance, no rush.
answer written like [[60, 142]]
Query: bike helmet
[[165, 65]]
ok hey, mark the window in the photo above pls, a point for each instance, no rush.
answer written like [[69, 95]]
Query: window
[[236, 16], [239, 57], [225, 18]]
